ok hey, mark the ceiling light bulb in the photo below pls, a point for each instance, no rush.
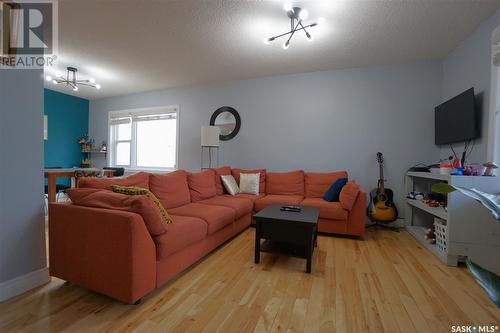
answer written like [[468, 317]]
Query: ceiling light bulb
[[54, 82], [266, 41], [75, 88], [98, 86], [309, 37], [92, 80], [304, 14], [286, 45], [48, 78], [288, 7]]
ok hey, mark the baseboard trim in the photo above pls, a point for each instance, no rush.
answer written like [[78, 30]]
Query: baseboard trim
[[23, 283]]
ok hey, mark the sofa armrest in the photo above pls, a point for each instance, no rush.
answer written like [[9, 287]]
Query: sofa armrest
[[357, 216], [349, 194], [108, 251]]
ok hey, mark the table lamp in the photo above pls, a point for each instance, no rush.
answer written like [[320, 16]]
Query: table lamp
[[209, 139]]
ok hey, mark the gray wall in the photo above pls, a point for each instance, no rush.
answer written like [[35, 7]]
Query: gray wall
[[321, 121], [469, 65], [496, 135], [22, 228]]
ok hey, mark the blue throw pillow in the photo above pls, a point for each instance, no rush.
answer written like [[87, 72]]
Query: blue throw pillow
[[333, 192]]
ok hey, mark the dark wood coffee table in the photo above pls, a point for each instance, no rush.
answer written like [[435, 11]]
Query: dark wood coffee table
[[289, 233]]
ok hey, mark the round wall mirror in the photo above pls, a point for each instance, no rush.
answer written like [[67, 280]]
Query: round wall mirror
[[228, 120]]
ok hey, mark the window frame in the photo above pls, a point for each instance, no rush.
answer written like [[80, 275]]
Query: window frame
[[174, 109]]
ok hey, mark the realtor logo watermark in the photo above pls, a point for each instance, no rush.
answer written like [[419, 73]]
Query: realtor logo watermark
[[475, 328], [28, 34]]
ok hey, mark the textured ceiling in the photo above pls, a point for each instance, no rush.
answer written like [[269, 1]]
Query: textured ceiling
[[140, 45]]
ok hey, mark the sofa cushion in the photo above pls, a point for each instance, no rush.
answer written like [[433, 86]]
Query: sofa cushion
[[230, 184], [222, 171], [333, 193], [132, 190], [202, 185], [140, 179], [217, 217], [171, 188], [271, 199], [139, 204], [251, 197], [241, 206], [285, 183], [327, 210], [317, 183], [250, 183], [349, 194], [262, 177], [184, 231]]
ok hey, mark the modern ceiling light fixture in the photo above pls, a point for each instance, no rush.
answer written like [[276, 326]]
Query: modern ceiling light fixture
[[71, 81], [296, 15]]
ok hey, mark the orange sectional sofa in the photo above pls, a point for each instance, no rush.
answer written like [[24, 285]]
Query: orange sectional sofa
[[112, 252]]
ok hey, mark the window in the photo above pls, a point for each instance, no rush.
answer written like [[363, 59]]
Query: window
[[144, 139]]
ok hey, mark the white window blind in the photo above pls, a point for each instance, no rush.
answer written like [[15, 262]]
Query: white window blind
[[120, 121], [144, 139]]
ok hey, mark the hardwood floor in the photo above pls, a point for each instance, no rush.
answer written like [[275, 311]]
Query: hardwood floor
[[386, 283]]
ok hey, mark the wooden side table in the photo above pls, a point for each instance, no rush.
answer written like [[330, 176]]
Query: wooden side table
[[289, 233], [53, 174]]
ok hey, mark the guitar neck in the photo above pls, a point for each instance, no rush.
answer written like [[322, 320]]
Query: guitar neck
[[381, 180]]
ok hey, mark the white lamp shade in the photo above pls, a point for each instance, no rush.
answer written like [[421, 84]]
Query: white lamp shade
[[210, 136]]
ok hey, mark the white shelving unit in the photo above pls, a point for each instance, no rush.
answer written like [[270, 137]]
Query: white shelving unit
[[419, 234], [440, 212], [471, 230]]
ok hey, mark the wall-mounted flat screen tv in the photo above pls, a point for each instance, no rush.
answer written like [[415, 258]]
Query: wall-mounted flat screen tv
[[456, 119]]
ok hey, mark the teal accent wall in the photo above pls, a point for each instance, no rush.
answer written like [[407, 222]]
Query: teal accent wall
[[68, 120]]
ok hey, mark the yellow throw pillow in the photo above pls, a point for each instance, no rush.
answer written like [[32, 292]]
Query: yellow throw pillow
[[134, 190]]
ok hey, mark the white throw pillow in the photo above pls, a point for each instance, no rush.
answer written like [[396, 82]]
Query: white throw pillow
[[249, 183], [230, 184]]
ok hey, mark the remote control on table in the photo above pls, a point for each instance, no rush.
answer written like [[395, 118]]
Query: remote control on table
[[290, 209]]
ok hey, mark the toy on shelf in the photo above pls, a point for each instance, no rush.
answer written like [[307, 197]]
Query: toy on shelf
[[431, 203], [490, 168], [430, 235], [415, 195], [86, 163], [87, 147], [104, 147], [87, 143], [475, 170], [430, 199]]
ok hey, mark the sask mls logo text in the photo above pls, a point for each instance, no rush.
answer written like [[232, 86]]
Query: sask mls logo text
[[28, 33], [474, 328]]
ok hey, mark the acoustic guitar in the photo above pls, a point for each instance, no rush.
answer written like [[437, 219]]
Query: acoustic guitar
[[381, 207]]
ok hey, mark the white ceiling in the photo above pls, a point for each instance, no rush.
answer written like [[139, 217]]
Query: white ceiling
[[139, 45]]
